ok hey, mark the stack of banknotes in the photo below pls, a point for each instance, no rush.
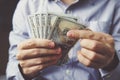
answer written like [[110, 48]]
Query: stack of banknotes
[[54, 27]]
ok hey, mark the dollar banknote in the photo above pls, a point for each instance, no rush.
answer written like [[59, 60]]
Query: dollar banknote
[[33, 26], [58, 35], [55, 27]]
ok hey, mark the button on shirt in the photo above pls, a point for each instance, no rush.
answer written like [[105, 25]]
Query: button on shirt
[[98, 15]]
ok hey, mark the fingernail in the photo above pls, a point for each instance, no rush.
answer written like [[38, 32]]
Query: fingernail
[[51, 45], [70, 34]]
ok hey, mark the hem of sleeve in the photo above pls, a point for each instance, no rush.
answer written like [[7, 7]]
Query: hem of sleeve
[[107, 74]]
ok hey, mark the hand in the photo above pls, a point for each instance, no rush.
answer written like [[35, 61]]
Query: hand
[[97, 48], [37, 54]]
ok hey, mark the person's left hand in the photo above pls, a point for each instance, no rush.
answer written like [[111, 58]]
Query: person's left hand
[[97, 48]]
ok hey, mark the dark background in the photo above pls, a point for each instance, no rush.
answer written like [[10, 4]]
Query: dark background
[[7, 8]]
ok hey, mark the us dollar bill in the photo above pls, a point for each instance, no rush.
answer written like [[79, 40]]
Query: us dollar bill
[[60, 29], [32, 25], [43, 25], [50, 22], [55, 27], [58, 35], [39, 25]]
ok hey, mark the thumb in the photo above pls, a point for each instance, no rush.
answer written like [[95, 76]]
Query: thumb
[[88, 34], [80, 34]]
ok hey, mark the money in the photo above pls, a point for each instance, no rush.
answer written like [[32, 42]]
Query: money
[[32, 26], [55, 27], [60, 29], [58, 35]]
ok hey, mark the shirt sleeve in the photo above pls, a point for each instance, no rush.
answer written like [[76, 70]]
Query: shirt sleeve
[[113, 75], [18, 34], [115, 32], [13, 72]]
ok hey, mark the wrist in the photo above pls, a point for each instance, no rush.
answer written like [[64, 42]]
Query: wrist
[[113, 64]]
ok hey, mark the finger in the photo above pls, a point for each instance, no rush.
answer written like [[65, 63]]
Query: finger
[[93, 56], [96, 46], [87, 34], [34, 70], [88, 62], [36, 52], [34, 43], [78, 34], [39, 60]]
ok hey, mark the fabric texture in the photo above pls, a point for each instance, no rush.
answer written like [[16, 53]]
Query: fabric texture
[[98, 15]]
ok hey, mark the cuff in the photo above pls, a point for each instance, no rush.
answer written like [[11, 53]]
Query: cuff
[[112, 75]]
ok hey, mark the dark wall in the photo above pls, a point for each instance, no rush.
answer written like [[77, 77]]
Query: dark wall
[[7, 8]]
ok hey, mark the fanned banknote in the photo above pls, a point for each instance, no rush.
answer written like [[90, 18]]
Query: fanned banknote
[[55, 27]]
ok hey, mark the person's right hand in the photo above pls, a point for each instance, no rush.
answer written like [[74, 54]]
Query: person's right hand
[[37, 54]]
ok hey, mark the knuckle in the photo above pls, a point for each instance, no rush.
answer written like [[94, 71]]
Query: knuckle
[[40, 67], [94, 45], [31, 42], [26, 43], [22, 63], [88, 64], [111, 41], [18, 56], [47, 51], [39, 61], [19, 46], [83, 51], [26, 71], [93, 55], [35, 51]]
